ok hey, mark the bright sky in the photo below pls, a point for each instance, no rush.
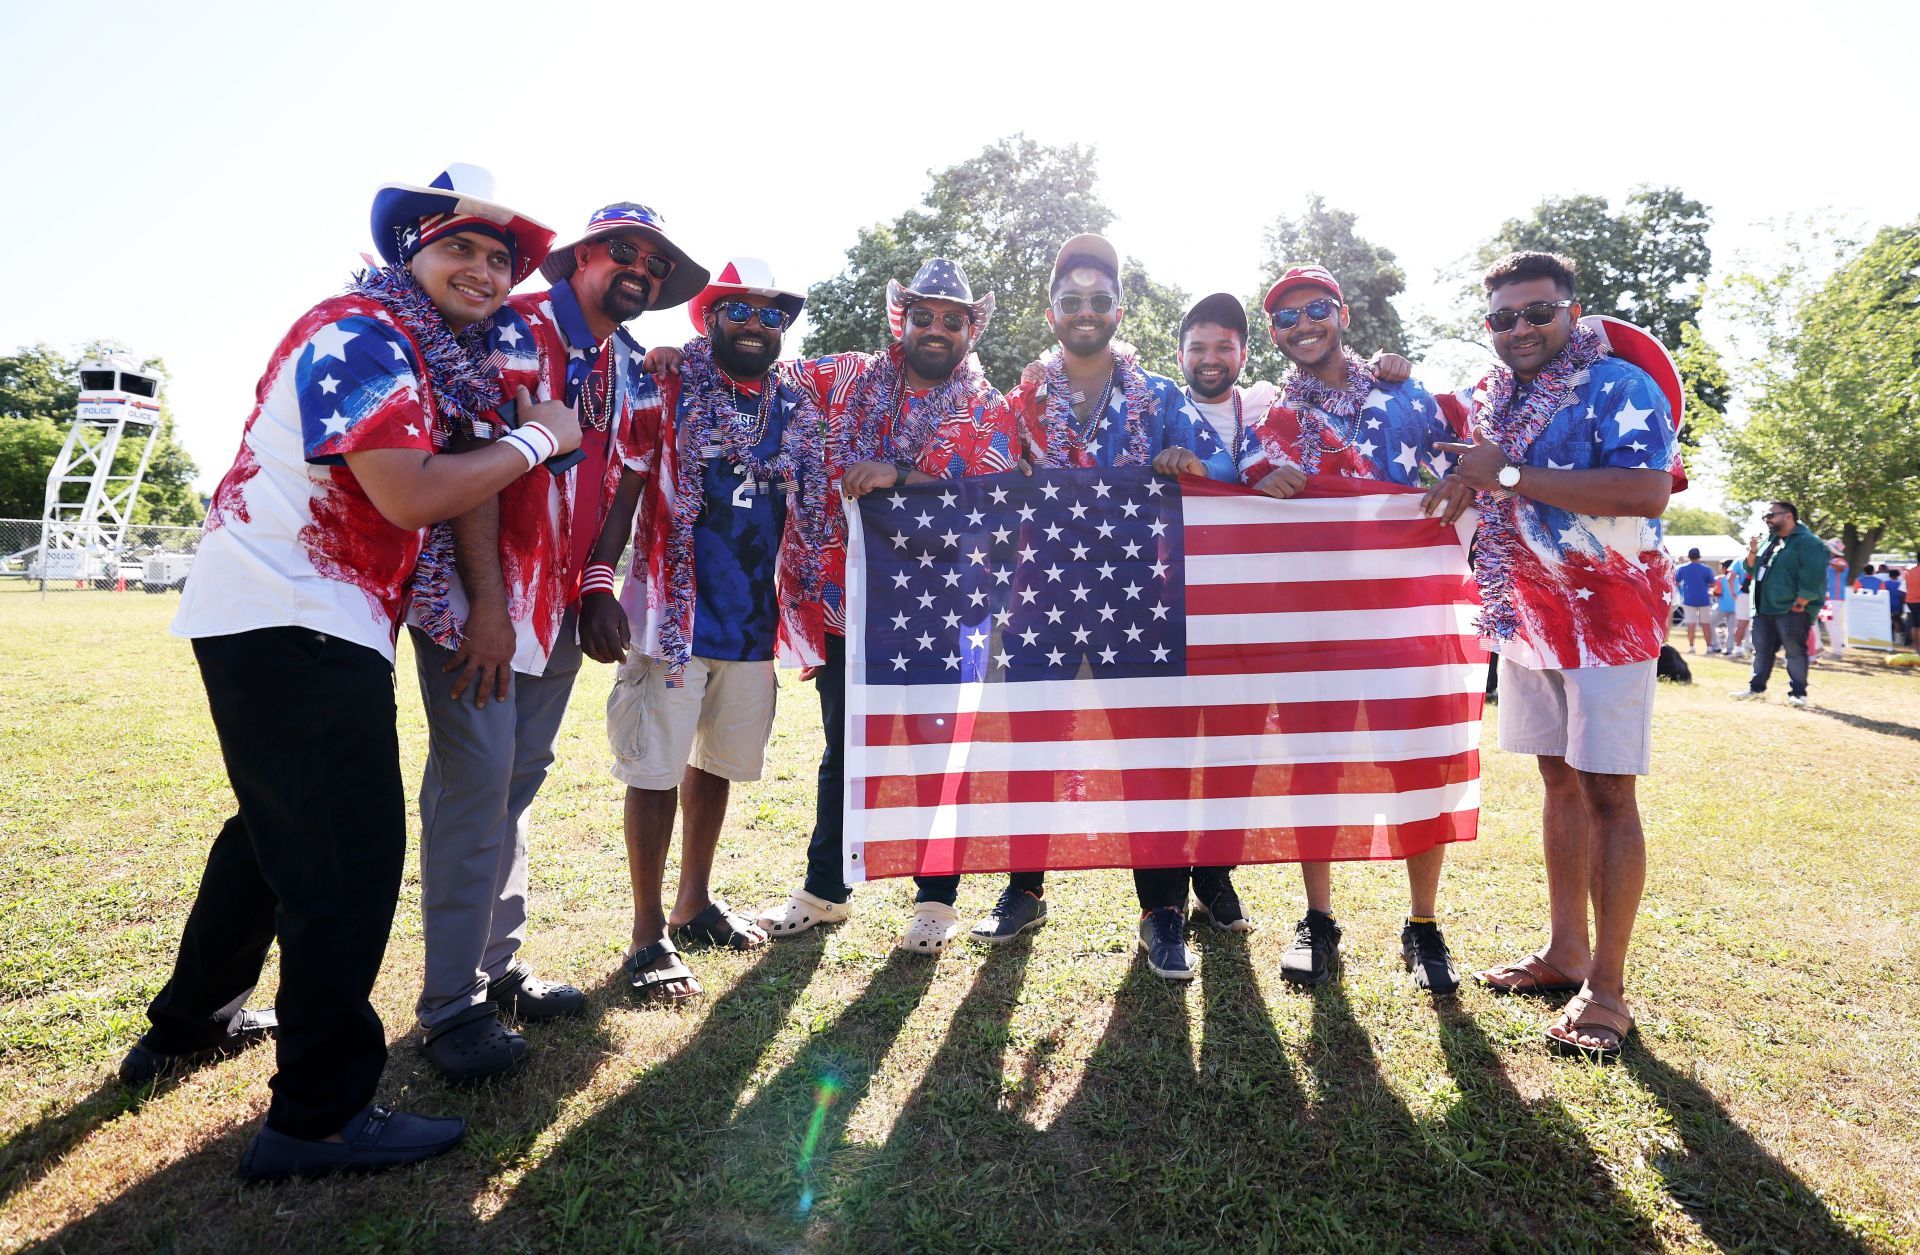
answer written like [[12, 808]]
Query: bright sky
[[188, 178]]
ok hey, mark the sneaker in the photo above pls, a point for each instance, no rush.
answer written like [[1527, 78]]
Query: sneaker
[[1163, 938], [1798, 703], [1424, 950], [1314, 953], [1219, 905], [1747, 695], [144, 1065], [1015, 912]]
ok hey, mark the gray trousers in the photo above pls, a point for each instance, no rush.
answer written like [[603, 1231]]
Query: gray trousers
[[484, 765]]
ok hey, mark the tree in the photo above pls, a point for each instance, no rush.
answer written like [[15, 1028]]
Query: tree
[[1692, 520], [1368, 275], [1002, 215], [1837, 411], [38, 389]]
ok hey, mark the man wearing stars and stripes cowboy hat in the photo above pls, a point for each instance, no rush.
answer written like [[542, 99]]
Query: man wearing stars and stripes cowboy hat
[[919, 410], [506, 626], [293, 604]]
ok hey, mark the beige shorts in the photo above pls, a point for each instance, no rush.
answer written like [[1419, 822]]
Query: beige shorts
[[717, 719], [1694, 616], [1600, 719]]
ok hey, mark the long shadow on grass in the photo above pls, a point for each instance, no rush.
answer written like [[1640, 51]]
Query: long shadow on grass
[[1528, 1166], [958, 1168], [1885, 727], [1739, 1195], [624, 1172], [33, 1150]]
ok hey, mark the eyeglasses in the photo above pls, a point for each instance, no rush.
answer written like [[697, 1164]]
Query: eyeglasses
[[770, 318], [1540, 313], [1072, 303], [1320, 309], [1777, 514], [626, 252], [953, 320]]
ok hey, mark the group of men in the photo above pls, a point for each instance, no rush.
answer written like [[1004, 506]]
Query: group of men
[[426, 450]]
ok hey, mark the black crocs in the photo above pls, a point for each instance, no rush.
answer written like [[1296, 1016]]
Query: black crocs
[[520, 993], [474, 1046]]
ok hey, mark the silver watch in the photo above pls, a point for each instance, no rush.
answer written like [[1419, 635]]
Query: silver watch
[[1509, 476]]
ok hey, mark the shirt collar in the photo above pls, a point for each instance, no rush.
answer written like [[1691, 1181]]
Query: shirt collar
[[572, 321]]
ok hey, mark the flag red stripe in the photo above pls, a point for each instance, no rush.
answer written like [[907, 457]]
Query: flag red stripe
[[1419, 651], [1317, 486], [1231, 847], [1331, 594], [1133, 723], [1318, 536], [1152, 784]]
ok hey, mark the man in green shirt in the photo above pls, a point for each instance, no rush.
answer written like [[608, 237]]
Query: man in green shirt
[[1789, 583]]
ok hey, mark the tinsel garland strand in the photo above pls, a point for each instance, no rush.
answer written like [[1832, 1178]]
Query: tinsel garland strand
[[1310, 400], [1056, 421]]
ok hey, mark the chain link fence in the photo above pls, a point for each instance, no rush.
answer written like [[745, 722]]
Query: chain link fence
[[153, 559]]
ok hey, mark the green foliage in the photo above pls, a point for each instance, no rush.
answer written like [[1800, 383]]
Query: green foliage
[[1002, 215], [1708, 388], [1693, 520], [1838, 401], [1368, 275], [38, 388], [1152, 325]]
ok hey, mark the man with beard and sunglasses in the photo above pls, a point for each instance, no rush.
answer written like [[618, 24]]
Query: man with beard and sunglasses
[[506, 605], [1338, 415], [918, 411], [1573, 458], [736, 500], [1089, 403]]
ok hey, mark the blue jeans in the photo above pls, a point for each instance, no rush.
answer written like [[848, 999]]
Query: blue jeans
[[1770, 632]]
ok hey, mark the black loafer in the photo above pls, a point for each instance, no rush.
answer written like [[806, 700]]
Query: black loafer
[[474, 1046], [522, 994], [376, 1139], [144, 1065]]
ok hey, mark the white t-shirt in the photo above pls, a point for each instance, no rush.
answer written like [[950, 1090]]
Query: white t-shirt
[[1255, 400]]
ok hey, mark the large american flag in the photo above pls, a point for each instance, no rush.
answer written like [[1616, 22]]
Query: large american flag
[[1107, 668]]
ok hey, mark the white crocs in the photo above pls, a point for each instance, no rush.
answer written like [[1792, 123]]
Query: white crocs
[[934, 924], [800, 912]]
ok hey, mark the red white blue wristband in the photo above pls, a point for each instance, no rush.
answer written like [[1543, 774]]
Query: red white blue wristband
[[533, 442], [597, 578]]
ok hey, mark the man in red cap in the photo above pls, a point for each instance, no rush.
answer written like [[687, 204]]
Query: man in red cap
[[496, 632], [292, 607]]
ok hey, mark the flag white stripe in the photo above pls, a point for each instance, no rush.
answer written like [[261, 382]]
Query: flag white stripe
[[1312, 810], [1319, 568], [1331, 625], [1381, 745], [1377, 684]]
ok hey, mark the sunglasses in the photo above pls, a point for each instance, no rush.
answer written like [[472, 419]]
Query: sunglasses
[[1539, 314], [1768, 518], [1073, 303], [952, 320], [770, 318], [626, 252], [1320, 309]]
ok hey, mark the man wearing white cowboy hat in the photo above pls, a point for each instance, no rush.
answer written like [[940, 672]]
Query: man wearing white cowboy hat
[[738, 483], [507, 605], [919, 410], [292, 607]]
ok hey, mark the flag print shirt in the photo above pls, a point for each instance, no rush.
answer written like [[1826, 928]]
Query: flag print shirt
[[1388, 441], [291, 539], [1168, 422]]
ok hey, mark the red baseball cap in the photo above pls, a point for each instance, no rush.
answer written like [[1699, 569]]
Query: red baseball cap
[[1301, 276]]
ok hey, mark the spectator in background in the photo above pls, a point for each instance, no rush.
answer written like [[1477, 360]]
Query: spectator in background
[[1721, 621], [1831, 624], [1868, 582], [1896, 604], [1787, 592], [1910, 592], [1694, 582]]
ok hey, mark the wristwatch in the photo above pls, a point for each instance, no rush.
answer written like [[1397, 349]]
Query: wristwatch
[[900, 472], [1509, 477]]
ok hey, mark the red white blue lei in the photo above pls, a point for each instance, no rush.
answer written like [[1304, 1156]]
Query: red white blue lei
[[1060, 429], [1312, 400]]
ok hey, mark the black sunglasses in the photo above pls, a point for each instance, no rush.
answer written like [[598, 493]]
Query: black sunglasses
[[952, 320], [626, 252], [1540, 313], [770, 318], [1072, 303], [1320, 309]]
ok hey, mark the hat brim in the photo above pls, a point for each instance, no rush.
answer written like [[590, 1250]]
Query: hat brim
[[398, 204], [791, 302], [1636, 347], [1280, 289], [899, 296], [685, 283]]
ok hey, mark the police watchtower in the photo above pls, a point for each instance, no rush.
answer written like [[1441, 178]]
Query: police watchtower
[[83, 529]]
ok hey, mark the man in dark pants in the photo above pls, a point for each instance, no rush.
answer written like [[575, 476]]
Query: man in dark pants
[[311, 542], [1789, 584]]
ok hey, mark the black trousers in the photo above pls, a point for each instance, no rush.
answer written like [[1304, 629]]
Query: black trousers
[[1155, 886], [826, 872], [313, 859], [1770, 633]]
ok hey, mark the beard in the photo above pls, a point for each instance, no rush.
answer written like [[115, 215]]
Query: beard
[[747, 363], [1087, 343], [1225, 386], [623, 305], [935, 363]]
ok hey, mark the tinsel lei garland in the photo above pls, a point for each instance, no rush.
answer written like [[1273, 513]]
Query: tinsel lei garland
[[1062, 432], [709, 416], [879, 395], [463, 389], [1515, 429], [1311, 400]]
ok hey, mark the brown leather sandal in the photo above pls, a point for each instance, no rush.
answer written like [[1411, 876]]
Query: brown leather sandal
[[1531, 975], [1586, 1017]]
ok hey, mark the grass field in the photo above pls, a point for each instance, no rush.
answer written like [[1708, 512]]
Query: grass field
[[828, 1094]]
